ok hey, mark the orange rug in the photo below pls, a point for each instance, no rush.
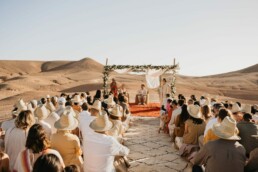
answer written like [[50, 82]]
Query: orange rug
[[149, 110]]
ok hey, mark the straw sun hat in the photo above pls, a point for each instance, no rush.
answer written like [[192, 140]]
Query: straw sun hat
[[67, 120], [101, 123], [235, 108], [117, 111], [194, 111], [246, 108], [77, 99], [20, 105], [96, 105], [41, 112], [226, 129]]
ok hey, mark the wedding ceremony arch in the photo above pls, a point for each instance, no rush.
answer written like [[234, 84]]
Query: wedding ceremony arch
[[145, 69]]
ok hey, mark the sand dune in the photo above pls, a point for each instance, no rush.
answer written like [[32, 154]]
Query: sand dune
[[34, 79]]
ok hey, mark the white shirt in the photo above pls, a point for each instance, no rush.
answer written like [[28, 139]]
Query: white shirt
[[51, 119], [142, 91], [15, 139], [84, 123], [8, 124], [210, 123], [175, 113], [100, 151], [47, 128]]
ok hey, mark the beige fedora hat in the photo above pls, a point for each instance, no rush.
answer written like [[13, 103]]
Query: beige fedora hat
[[41, 112], [110, 101], [246, 108], [96, 105], [77, 99], [101, 123], [50, 106], [117, 111], [67, 120], [226, 129], [20, 105], [194, 111], [235, 108]]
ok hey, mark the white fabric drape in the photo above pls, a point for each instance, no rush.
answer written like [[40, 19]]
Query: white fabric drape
[[152, 78], [122, 71]]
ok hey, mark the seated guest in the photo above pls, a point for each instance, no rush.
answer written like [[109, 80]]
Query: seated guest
[[37, 144], [115, 117], [210, 134], [251, 165], [125, 106], [97, 96], [101, 148], [41, 113], [48, 162], [4, 163], [236, 111], [206, 113], [15, 138], [180, 123], [142, 95], [85, 118], [18, 107], [61, 105], [76, 103], [246, 129], [194, 128], [224, 154], [66, 143]]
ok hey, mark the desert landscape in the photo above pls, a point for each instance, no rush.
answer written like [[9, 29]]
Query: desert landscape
[[35, 79]]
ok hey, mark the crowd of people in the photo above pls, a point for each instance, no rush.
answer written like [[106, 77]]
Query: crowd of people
[[66, 133], [212, 135], [78, 132]]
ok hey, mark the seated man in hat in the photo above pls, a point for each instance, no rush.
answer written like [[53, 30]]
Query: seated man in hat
[[100, 148], [224, 154], [141, 96]]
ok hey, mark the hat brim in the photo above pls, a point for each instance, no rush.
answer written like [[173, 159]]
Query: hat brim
[[217, 131], [96, 128], [198, 116], [58, 125]]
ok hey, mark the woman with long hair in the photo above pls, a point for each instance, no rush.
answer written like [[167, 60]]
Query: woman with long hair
[[37, 144]]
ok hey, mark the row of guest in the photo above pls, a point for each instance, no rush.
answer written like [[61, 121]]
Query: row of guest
[[59, 128], [193, 126]]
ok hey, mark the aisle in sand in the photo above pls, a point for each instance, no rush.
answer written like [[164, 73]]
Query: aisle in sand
[[149, 150]]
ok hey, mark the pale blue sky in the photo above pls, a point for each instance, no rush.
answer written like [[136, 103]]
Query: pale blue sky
[[205, 36]]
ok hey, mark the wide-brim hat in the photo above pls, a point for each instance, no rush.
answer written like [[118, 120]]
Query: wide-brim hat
[[67, 120], [117, 111], [50, 106], [41, 112], [246, 108], [110, 101], [101, 123], [62, 100], [194, 111], [77, 99], [235, 108], [21, 106], [96, 105], [226, 129]]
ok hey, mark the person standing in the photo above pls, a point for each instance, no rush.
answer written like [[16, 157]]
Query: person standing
[[163, 91], [113, 87]]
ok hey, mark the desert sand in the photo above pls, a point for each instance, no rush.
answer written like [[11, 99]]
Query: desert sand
[[35, 79]]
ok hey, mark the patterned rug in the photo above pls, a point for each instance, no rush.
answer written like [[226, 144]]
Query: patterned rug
[[149, 110]]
